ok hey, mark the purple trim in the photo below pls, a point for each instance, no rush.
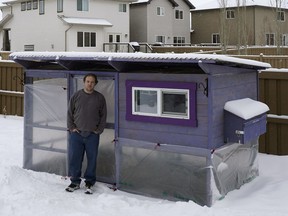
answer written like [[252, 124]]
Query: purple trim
[[191, 86]]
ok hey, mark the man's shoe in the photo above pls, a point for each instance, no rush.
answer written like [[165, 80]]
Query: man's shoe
[[72, 187], [88, 188]]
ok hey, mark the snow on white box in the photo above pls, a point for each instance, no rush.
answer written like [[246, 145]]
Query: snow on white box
[[244, 120]]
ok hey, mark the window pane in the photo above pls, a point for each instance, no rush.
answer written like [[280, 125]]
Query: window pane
[[145, 101], [118, 38], [23, 6], [86, 39], [29, 5], [80, 39], [35, 4], [59, 5], [174, 103], [41, 6], [93, 39], [82, 5]]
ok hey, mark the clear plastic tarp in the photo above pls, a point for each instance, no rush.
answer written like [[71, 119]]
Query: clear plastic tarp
[[187, 176], [46, 136]]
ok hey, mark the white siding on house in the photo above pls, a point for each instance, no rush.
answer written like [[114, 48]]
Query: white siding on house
[[48, 32]]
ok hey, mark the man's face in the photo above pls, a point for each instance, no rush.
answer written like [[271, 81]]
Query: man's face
[[89, 84]]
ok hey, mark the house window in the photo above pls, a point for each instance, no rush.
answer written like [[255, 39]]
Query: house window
[[179, 14], [230, 14], [114, 38], [35, 4], [215, 38], [179, 41], [86, 39], [281, 15], [82, 5], [29, 5], [41, 7], [270, 39], [161, 102], [123, 8], [23, 6], [160, 39], [284, 39], [59, 6], [160, 11]]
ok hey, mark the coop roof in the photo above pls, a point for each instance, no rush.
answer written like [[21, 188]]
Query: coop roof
[[127, 62]]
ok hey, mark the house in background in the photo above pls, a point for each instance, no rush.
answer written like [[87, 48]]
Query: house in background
[[63, 25], [252, 24], [160, 21]]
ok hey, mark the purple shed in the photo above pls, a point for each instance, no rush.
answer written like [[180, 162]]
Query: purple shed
[[166, 135]]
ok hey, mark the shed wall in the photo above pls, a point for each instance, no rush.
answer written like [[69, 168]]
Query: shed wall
[[159, 133], [224, 88]]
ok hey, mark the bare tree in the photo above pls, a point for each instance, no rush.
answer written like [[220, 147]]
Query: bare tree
[[223, 25], [277, 6]]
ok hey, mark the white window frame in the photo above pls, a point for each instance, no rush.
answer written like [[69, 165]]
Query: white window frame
[[284, 39], [281, 15], [41, 7], [217, 36], [35, 4], [87, 42], [230, 14], [270, 37], [122, 8], [179, 14], [23, 6], [179, 40], [29, 5], [84, 5], [160, 39], [160, 11], [159, 103], [59, 6]]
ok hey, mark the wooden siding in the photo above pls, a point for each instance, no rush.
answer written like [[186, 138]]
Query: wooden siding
[[159, 133], [274, 92], [11, 88]]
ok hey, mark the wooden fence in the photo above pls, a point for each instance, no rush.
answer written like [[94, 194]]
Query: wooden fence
[[273, 90], [11, 88]]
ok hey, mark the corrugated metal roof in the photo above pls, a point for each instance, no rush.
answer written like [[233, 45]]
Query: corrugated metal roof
[[136, 57]]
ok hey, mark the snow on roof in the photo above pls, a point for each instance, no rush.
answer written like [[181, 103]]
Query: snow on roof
[[212, 4], [183, 57], [246, 108], [86, 21]]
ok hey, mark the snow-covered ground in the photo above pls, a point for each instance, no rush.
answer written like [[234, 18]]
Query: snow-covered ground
[[29, 193]]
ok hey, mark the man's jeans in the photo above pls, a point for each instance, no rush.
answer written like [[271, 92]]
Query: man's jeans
[[78, 145]]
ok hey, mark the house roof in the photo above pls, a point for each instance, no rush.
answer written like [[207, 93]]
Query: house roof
[[85, 21], [126, 62], [173, 2]]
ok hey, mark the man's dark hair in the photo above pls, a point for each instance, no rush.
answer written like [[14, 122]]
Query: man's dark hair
[[91, 75]]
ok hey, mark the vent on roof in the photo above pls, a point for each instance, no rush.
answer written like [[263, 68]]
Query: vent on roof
[[29, 47]]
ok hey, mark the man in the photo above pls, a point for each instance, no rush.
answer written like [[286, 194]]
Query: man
[[86, 119]]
